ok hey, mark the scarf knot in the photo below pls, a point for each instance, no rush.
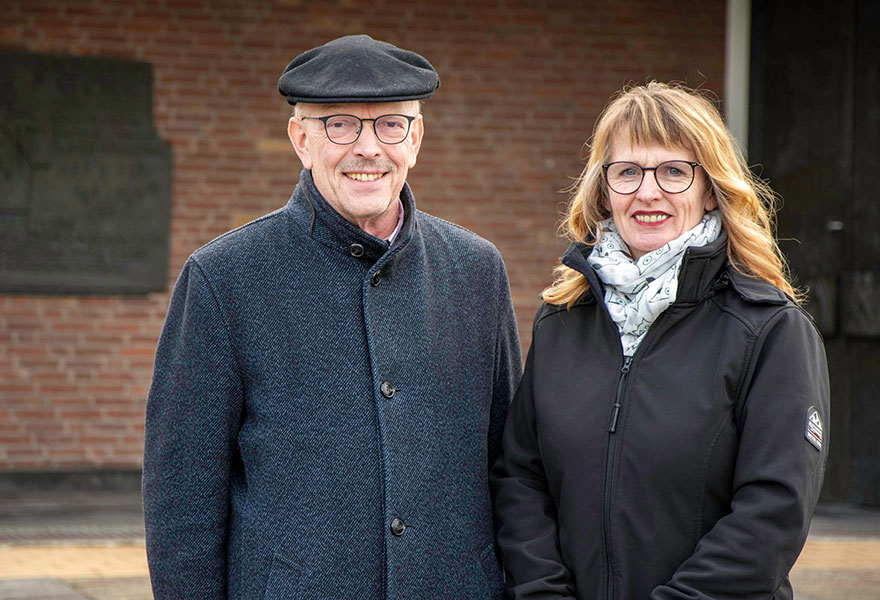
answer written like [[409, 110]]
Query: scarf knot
[[637, 292]]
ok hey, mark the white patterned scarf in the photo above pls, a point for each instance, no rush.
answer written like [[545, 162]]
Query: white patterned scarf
[[637, 292]]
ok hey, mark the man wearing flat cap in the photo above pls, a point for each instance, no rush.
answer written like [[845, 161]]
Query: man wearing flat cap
[[332, 379]]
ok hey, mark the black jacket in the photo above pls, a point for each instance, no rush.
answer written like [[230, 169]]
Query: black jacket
[[685, 472]]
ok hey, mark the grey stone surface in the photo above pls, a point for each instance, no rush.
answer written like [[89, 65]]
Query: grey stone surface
[[839, 520], [37, 589], [839, 584], [117, 588], [85, 181], [46, 517]]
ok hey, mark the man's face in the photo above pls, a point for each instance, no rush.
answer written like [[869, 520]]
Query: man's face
[[362, 180]]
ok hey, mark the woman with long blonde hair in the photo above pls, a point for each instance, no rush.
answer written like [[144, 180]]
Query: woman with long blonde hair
[[669, 436]]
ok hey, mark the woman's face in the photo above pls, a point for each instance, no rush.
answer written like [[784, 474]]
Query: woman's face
[[649, 217]]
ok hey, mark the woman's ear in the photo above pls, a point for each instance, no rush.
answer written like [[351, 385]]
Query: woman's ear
[[711, 199]]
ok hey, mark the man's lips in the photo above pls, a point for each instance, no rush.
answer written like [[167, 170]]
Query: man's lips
[[365, 176]]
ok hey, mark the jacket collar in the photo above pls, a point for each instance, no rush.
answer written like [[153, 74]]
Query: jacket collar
[[315, 218], [756, 290], [701, 269]]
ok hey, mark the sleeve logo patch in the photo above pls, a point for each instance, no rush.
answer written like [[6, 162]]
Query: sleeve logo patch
[[813, 431]]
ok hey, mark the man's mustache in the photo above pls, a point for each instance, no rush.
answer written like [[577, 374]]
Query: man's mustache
[[368, 165]]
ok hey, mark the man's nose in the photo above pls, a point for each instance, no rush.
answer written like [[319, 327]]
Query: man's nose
[[367, 144]]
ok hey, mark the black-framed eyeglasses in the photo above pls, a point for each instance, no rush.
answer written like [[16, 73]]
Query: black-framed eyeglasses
[[672, 176], [346, 129]]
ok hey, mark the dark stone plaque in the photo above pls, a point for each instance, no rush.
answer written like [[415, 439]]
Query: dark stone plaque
[[85, 181]]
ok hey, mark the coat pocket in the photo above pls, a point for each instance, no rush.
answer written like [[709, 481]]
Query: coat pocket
[[285, 580], [494, 579]]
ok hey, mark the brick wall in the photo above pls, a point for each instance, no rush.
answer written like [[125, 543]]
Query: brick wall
[[522, 82]]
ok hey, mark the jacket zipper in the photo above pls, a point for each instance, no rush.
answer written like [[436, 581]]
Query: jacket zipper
[[609, 469], [616, 412]]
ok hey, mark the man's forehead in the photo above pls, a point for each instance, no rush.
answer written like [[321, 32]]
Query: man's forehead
[[408, 107]]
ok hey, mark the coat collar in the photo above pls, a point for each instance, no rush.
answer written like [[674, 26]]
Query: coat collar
[[701, 269], [314, 217]]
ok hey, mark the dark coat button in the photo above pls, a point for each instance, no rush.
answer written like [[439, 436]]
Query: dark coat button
[[376, 278], [387, 389], [356, 250], [398, 527]]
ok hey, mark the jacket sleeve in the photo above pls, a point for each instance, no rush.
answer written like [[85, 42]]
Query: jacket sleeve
[[525, 513], [192, 420], [778, 472], [508, 367]]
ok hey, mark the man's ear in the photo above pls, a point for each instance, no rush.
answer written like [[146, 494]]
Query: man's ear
[[297, 133], [416, 132]]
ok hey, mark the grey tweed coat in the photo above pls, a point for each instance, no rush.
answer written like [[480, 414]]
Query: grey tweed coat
[[324, 411]]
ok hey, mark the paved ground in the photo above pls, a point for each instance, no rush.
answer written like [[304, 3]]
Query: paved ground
[[72, 545], [86, 545]]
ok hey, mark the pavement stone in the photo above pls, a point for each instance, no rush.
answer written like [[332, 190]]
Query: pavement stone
[[70, 562], [116, 588], [37, 589], [836, 584], [89, 545]]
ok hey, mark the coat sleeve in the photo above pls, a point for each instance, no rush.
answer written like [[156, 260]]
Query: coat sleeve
[[778, 472], [192, 420], [507, 370], [525, 513]]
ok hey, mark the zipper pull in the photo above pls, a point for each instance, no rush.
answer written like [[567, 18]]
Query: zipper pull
[[613, 427], [616, 408]]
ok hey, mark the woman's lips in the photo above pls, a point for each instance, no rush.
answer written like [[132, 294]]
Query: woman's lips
[[651, 218]]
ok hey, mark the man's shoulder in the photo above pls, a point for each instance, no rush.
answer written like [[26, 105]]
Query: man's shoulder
[[246, 242], [455, 238]]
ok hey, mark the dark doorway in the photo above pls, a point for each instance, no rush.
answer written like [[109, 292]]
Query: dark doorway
[[814, 133]]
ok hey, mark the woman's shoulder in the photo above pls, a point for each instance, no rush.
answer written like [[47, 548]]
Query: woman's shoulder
[[550, 313], [758, 303]]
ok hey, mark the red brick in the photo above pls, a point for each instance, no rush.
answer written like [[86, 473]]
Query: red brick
[[34, 415], [532, 78], [79, 415]]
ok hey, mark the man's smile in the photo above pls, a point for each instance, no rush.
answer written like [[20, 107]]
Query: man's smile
[[365, 176]]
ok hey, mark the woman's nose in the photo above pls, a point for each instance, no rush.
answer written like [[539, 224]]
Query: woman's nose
[[649, 190]]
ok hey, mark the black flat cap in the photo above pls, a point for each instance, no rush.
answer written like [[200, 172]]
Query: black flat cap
[[357, 68]]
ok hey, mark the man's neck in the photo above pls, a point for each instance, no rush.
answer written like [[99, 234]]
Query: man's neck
[[385, 224]]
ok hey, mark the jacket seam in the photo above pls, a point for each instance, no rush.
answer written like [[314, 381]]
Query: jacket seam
[[223, 313], [750, 327], [757, 333], [710, 451]]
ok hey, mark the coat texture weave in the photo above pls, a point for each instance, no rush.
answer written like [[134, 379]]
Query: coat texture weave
[[311, 386], [684, 473]]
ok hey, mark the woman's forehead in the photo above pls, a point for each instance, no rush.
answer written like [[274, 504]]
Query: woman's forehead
[[624, 143]]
